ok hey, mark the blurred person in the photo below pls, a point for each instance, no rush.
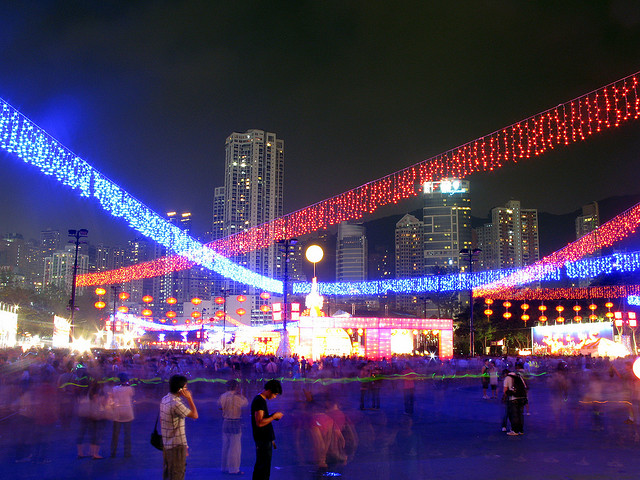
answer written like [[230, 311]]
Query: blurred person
[[493, 379], [365, 375], [26, 422], [231, 403], [173, 411], [593, 398], [262, 428], [67, 395], [485, 378], [559, 386], [376, 385], [505, 416], [46, 409], [122, 396], [515, 391], [408, 388], [98, 415]]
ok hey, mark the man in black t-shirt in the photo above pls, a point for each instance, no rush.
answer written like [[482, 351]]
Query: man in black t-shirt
[[263, 434]]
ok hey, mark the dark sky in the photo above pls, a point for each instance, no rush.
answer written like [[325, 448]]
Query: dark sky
[[147, 92]]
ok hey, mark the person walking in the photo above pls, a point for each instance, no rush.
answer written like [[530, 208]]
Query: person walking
[[231, 403], [515, 391], [262, 428], [122, 414], [173, 411]]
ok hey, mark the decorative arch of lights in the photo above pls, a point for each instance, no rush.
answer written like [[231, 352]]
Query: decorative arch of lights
[[21, 137], [600, 110]]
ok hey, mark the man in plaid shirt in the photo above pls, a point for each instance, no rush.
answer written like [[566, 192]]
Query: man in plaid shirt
[[174, 439]]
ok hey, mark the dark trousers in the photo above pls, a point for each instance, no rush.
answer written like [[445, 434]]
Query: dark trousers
[[262, 468], [126, 426], [174, 463], [515, 410]]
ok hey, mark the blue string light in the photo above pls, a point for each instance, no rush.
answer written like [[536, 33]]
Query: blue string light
[[22, 138], [592, 267], [586, 268]]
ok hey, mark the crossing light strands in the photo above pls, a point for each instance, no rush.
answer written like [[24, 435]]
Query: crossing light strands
[[602, 109], [22, 138]]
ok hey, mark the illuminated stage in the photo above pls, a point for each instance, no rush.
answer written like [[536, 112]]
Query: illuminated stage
[[595, 339], [378, 337]]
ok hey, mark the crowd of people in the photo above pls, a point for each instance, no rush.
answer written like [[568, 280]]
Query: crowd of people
[[94, 395]]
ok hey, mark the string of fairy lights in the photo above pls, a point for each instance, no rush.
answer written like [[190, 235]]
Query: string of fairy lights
[[601, 109], [605, 108], [22, 138], [585, 268]]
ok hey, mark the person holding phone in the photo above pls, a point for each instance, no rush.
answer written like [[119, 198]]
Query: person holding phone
[[173, 411], [261, 425]]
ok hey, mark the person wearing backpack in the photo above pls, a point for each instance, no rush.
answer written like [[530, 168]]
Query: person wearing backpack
[[515, 393]]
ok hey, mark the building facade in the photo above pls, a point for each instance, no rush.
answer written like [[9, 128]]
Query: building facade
[[252, 195], [447, 224], [409, 257], [511, 239], [351, 253]]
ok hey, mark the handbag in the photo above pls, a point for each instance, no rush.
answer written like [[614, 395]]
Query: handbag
[[156, 438]]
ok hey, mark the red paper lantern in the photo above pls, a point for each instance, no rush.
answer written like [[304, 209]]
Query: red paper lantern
[[123, 296], [219, 300], [146, 312], [220, 314], [100, 291], [196, 301], [147, 299], [100, 305], [172, 301], [241, 311], [241, 298], [171, 314], [265, 295]]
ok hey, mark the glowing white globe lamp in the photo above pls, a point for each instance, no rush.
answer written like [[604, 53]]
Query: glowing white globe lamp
[[314, 253]]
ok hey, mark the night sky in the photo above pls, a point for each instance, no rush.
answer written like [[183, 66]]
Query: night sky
[[147, 92]]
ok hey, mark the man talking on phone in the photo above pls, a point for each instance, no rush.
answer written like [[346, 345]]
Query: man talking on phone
[[173, 411], [262, 429]]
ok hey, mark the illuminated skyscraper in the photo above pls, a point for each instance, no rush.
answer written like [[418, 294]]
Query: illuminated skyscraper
[[589, 220], [58, 268], [409, 262], [252, 195], [511, 239], [351, 253], [447, 224]]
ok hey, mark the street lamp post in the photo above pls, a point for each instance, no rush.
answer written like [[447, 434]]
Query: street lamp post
[[471, 255], [77, 234], [224, 292], [285, 248]]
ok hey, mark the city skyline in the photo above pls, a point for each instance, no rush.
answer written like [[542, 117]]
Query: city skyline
[[149, 106]]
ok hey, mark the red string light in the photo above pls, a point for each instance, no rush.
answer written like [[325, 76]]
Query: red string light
[[574, 293]]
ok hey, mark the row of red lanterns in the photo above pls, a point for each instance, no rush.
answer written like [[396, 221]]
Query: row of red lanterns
[[172, 301], [543, 318]]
